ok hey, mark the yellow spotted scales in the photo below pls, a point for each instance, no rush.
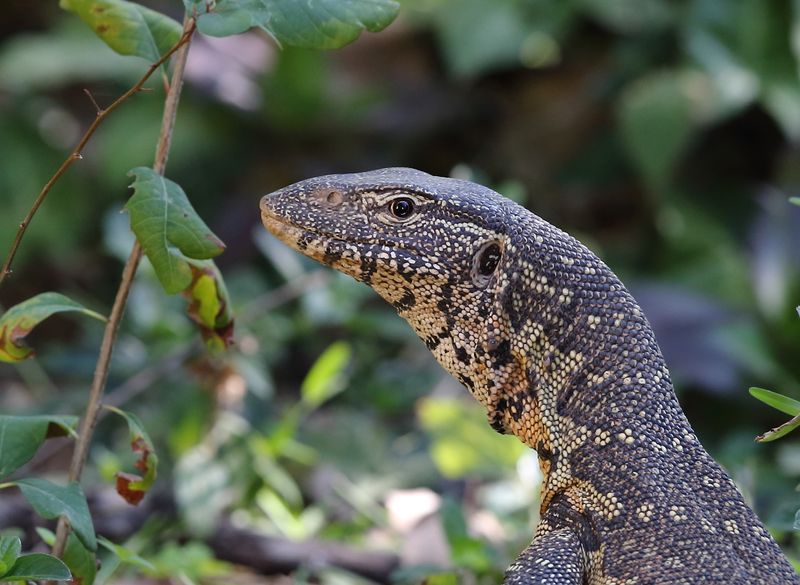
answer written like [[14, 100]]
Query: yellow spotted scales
[[548, 339]]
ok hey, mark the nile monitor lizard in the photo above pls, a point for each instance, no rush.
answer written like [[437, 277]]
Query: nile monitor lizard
[[548, 339]]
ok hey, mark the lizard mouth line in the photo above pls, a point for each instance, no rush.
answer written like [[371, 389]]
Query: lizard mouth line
[[290, 233]]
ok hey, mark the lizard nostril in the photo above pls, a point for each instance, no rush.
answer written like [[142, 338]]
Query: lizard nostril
[[334, 197]]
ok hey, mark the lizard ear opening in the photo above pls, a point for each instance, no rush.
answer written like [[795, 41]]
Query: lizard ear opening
[[485, 262]]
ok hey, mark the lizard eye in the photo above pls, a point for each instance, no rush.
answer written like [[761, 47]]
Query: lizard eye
[[402, 207]]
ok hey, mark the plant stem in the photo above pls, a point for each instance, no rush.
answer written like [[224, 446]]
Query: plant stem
[[75, 155], [112, 327]]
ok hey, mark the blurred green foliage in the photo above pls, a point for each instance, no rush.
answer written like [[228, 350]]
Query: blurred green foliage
[[663, 134]]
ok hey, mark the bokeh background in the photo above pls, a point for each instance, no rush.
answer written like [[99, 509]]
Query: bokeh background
[[664, 135]]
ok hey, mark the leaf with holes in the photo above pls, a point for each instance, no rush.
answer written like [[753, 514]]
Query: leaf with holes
[[20, 320], [313, 24], [127, 27], [168, 228], [51, 501], [21, 437], [130, 486], [210, 305]]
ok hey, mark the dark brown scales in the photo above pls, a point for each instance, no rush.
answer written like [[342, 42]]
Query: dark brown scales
[[545, 336]]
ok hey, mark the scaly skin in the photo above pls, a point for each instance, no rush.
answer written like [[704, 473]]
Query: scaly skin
[[550, 341]]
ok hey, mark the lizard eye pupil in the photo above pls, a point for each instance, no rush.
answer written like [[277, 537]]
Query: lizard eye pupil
[[402, 207], [489, 259]]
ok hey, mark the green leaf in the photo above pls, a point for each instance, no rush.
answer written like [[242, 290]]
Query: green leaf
[[20, 319], [130, 486], [51, 501], [313, 24], [230, 17], [169, 229], [127, 27], [777, 401], [328, 24], [125, 555], [779, 431], [81, 562], [670, 105], [795, 200], [10, 547], [210, 305], [21, 437], [36, 567], [326, 377]]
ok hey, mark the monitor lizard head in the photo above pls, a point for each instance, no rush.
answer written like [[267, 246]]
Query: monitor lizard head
[[437, 249]]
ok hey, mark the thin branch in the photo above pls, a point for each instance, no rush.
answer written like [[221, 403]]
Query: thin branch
[[102, 114], [100, 378]]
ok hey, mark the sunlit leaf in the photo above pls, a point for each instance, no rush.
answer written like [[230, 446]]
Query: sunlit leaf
[[127, 27], [314, 24], [36, 567], [132, 487], [21, 437], [20, 319], [209, 304], [780, 402], [168, 228], [463, 442], [10, 547], [796, 201], [326, 377], [51, 501]]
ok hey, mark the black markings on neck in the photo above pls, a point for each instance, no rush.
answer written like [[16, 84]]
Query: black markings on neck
[[368, 268], [407, 301]]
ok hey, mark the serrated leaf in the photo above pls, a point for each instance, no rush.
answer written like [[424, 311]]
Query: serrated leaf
[[10, 547], [51, 501], [20, 319], [168, 228], [127, 27], [210, 304], [21, 437], [326, 377], [133, 487], [36, 567], [777, 401], [313, 24]]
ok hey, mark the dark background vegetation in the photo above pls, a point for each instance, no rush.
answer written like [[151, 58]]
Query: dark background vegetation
[[662, 134]]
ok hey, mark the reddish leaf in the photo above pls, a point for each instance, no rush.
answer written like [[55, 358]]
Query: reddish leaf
[[125, 483], [20, 319], [130, 486]]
